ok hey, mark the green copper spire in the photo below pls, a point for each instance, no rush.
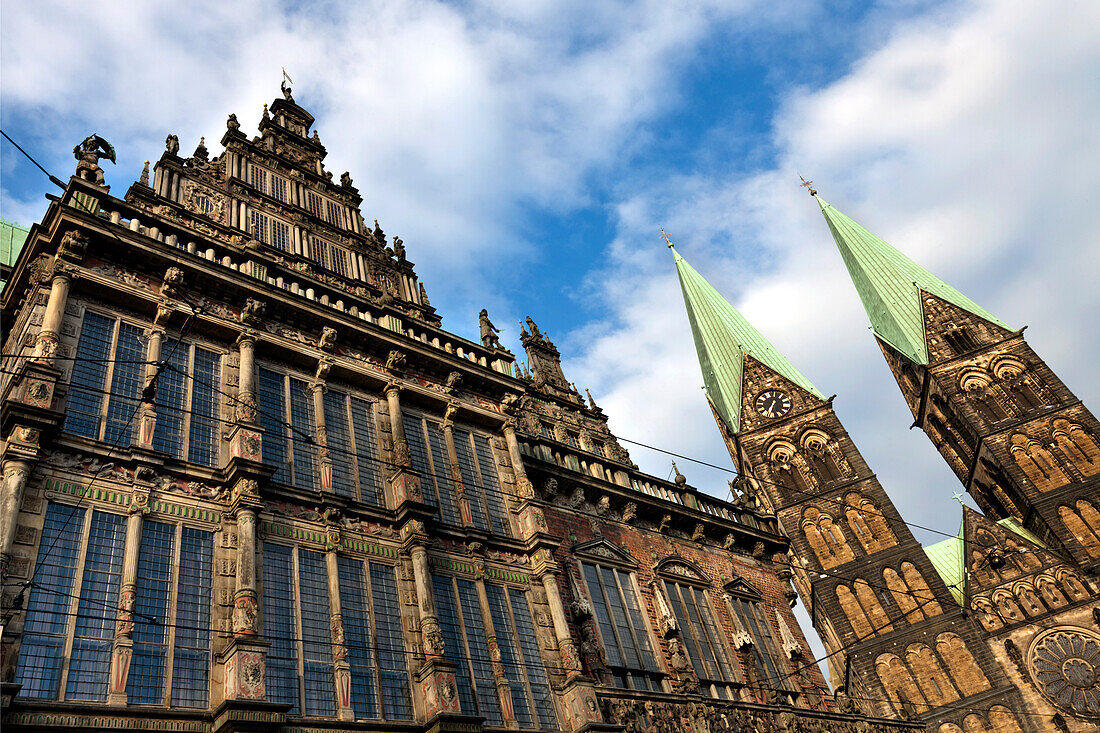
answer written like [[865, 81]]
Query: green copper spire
[[722, 338], [889, 284]]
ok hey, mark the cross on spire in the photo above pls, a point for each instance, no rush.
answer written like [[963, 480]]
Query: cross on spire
[[665, 236], [958, 496], [809, 185]]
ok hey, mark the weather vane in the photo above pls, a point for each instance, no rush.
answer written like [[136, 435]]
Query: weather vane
[[959, 498], [664, 236], [809, 185], [287, 76]]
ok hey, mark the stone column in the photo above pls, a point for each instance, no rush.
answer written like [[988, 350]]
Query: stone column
[[500, 678], [456, 472], [341, 667], [529, 514], [570, 658], [405, 484], [16, 473], [524, 488], [49, 334], [147, 412], [245, 656], [245, 437], [123, 647], [324, 458], [436, 675]]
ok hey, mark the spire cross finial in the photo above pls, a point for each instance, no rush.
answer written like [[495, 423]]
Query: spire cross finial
[[957, 496], [665, 236], [809, 185]]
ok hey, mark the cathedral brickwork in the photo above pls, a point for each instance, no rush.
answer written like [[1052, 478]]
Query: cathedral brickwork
[[250, 483]]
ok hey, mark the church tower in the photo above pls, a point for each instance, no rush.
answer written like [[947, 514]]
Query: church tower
[[1018, 439], [896, 636]]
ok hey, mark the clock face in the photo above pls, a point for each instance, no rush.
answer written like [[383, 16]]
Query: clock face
[[773, 403]]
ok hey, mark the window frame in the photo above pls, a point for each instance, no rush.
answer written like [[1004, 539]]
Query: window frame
[[692, 630]]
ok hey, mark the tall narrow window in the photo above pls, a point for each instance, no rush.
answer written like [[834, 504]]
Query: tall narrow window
[[338, 439], [191, 663], [316, 637], [203, 435], [145, 684], [352, 447], [334, 213], [509, 655], [289, 429], [488, 700], [392, 663], [355, 609], [446, 608], [90, 662], [41, 652], [367, 460], [339, 261], [258, 178], [257, 226], [314, 202], [622, 627], [318, 251], [700, 635], [279, 613], [183, 432], [82, 410], [494, 497], [278, 188], [475, 493], [304, 450], [764, 652], [272, 409], [533, 662], [426, 439], [171, 392], [126, 383], [280, 235]]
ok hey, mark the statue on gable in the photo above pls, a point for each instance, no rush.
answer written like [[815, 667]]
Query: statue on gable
[[286, 92], [345, 179], [231, 124], [398, 248], [172, 144], [88, 154], [201, 153], [488, 331], [534, 328]]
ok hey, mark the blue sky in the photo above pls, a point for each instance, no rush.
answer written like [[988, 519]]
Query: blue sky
[[527, 152]]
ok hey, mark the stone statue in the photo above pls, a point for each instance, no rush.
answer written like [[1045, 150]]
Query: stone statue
[[328, 338], [201, 152], [286, 92], [345, 179], [172, 144], [398, 248], [231, 124], [88, 154], [534, 328], [488, 331]]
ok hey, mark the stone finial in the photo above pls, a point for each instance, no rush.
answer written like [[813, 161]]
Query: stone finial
[[424, 297], [201, 153], [144, 180], [681, 480]]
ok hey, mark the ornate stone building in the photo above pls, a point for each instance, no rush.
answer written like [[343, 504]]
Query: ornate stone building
[[250, 483], [993, 630]]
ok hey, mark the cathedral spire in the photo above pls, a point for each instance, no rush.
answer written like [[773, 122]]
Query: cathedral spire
[[722, 339], [889, 284]]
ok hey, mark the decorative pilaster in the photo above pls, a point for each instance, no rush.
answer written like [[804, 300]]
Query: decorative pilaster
[[570, 658], [123, 647], [147, 412], [447, 426], [245, 437], [341, 668], [500, 678], [524, 488], [16, 473], [405, 484], [324, 458], [245, 656], [49, 335], [436, 675]]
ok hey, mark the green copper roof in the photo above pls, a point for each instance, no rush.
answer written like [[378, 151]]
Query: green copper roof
[[947, 559], [722, 338], [888, 283]]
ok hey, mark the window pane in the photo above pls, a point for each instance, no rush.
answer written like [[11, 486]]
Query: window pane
[[125, 385], [396, 703], [258, 226], [533, 661], [487, 698], [498, 513], [278, 609], [339, 443], [441, 466], [447, 612], [475, 494], [145, 683], [47, 621], [90, 664], [418, 451], [357, 632], [301, 420], [509, 657], [191, 666], [367, 459], [171, 389], [272, 411], [619, 618], [637, 622], [716, 650], [89, 376], [278, 188], [258, 178], [203, 440], [316, 634], [603, 616], [280, 235]]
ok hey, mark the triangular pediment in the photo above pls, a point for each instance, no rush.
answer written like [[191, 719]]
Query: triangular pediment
[[742, 588], [602, 551], [1000, 553], [679, 568]]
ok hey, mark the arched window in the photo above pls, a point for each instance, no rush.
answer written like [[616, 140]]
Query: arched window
[[1081, 530], [987, 614], [1078, 446], [867, 523], [931, 677], [825, 538], [1037, 463], [1051, 594], [964, 670], [1003, 721], [897, 680]]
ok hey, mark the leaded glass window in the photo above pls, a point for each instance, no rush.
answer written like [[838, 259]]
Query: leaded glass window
[[534, 664], [356, 608], [126, 383], [457, 628], [318, 251], [352, 447], [280, 235], [90, 661], [763, 651], [184, 430], [90, 367], [316, 636], [279, 611], [314, 203], [258, 226], [700, 636], [622, 627], [429, 460], [339, 261], [278, 188], [156, 558], [482, 484], [41, 653], [258, 178], [334, 214], [287, 417], [392, 660], [191, 654]]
